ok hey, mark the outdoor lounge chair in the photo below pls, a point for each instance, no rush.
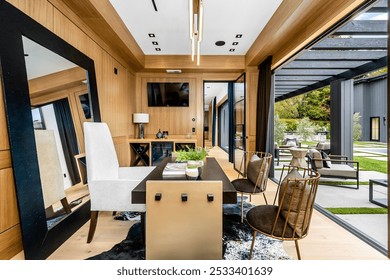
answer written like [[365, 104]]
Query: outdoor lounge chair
[[333, 166], [323, 146]]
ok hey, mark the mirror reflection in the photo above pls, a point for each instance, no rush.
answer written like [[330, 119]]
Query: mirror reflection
[[60, 104]]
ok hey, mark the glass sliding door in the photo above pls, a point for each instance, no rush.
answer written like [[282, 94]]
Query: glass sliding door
[[223, 129], [239, 134]]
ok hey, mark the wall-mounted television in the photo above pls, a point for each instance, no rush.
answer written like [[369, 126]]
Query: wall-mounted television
[[165, 94]]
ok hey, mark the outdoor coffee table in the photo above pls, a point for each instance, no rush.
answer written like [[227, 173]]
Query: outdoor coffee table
[[372, 182]]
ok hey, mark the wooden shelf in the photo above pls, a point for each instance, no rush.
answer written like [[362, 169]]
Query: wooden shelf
[[141, 150]]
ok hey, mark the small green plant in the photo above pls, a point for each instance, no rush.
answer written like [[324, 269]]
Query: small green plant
[[198, 153]]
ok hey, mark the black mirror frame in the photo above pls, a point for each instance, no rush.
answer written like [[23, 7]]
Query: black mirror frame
[[38, 241]]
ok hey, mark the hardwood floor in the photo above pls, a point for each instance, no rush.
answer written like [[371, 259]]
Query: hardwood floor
[[325, 241]]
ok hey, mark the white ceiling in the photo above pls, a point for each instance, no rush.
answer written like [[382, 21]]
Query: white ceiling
[[223, 20]]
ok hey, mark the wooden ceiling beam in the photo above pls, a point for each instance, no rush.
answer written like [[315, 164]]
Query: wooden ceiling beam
[[220, 63], [101, 17]]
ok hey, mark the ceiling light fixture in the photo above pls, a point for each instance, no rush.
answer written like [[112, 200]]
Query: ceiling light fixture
[[173, 71], [196, 27]]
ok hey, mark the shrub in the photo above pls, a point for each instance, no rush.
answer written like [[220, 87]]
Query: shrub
[[357, 127], [279, 129], [306, 129]]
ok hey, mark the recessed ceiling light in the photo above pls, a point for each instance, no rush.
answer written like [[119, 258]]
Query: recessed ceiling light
[[173, 71], [151, 35], [235, 43], [158, 49], [238, 35], [220, 43], [155, 43], [232, 50]]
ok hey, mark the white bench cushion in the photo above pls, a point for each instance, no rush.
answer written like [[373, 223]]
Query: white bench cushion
[[339, 170]]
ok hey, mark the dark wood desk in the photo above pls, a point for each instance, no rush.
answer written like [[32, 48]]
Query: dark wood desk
[[211, 171]]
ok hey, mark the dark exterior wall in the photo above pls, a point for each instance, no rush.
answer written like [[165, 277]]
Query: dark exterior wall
[[370, 99]]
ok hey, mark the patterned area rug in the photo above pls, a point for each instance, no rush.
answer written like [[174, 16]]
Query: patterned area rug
[[237, 238]]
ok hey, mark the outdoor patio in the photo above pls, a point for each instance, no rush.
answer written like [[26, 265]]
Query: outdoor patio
[[339, 193]]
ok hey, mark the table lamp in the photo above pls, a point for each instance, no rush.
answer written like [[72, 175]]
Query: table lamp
[[141, 119]]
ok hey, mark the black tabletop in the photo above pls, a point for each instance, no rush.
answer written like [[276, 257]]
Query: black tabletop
[[212, 171]]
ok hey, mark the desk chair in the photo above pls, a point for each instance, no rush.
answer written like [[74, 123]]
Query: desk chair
[[110, 186]]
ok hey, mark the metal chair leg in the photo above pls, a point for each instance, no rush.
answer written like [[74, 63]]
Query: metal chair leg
[[242, 207], [265, 198], [297, 248], [253, 244]]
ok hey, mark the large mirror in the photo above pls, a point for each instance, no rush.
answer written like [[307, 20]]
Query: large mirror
[[60, 104], [37, 105]]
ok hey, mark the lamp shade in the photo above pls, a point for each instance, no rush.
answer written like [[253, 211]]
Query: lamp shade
[[140, 118]]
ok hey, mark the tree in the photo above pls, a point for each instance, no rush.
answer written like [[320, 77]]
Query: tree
[[288, 108], [306, 129], [315, 105]]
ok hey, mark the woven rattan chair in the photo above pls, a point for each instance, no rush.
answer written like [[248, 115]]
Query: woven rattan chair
[[255, 176], [290, 219]]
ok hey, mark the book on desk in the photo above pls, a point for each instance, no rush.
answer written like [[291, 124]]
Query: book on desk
[[175, 170]]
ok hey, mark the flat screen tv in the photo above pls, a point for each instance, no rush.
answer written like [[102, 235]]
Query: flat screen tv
[[168, 94]]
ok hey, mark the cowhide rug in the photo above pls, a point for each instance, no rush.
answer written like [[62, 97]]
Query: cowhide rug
[[237, 238]]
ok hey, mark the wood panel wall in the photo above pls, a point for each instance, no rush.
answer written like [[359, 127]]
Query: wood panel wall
[[10, 234], [177, 120], [252, 75]]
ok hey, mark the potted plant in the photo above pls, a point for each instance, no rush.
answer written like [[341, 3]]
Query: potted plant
[[189, 154], [195, 160]]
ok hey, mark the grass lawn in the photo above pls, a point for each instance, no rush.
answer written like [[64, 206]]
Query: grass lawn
[[371, 164], [342, 183], [359, 210]]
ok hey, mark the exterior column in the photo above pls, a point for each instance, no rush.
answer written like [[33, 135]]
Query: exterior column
[[341, 118]]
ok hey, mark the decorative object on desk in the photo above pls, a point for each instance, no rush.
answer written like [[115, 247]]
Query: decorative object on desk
[[175, 170], [237, 237], [141, 119], [159, 134], [192, 171], [165, 134]]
